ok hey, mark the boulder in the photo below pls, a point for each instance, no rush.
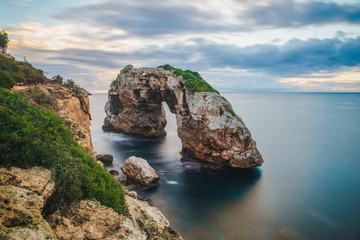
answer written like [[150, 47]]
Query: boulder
[[114, 172], [107, 159], [139, 172]]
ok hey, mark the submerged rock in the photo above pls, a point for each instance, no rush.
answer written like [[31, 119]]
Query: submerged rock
[[207, 125], [106, 159], [139, 172]]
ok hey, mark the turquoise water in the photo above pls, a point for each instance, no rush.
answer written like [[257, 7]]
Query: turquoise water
[[307, 188]]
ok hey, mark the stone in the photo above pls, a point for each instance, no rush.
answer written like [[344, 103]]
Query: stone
[[101, 164], [106, 159], [89, 220], [73, 108], [209, 129], [139, 172], [114, 172], [23, 194]]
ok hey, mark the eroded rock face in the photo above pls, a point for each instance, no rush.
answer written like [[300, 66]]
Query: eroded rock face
[[207, 126], [139, 172], [23, 194], [90, 220], [73, 108]]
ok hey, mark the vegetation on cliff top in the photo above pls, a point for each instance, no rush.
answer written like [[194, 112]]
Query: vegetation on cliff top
[[193, 81], [31, 137], [12, 72]]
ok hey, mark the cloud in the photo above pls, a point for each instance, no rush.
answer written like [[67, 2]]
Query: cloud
[[146, 18], [293, 58], [347, 79], [156, 17], [21, 2], [290, 13]]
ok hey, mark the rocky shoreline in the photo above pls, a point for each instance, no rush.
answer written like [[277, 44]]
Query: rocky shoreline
[[24, 193], [23, 196]]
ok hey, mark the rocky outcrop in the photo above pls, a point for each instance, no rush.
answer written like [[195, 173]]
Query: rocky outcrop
[[90, 220], [73, 107], [139, 172], [207, 125], [23, 194], [106, 159]]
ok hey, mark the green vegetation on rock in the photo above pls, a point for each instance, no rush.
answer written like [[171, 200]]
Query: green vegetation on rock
[[19, 72], [3, 40], [30, 136], [194, 82]]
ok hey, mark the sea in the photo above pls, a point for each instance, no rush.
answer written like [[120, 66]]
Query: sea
[[307, 188]]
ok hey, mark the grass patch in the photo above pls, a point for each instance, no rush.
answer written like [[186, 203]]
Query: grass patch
[[193, 81], [30, 136]]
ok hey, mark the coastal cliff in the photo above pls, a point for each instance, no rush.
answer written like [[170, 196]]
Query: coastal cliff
[[73, 107], [209, 129], [51, 186]]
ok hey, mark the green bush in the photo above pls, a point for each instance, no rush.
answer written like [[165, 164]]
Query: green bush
[[31, 137], [193, 81], [6, 80]]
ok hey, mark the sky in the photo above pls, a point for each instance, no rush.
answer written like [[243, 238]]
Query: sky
[[236, 45]]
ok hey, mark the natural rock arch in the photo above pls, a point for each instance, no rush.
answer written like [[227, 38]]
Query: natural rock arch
[[207, 125]]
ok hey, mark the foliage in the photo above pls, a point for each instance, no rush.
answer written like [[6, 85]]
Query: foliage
[[39, 98], [21, 72], [3, 40], [6, 80], [31, 137], [194, 82], [232, 112], [69, 83], [58, 79]]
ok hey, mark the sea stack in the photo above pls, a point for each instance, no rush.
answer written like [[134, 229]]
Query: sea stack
[[207, 125]]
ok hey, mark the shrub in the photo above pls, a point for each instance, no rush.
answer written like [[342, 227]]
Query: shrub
[[39, 98], [6, 80], [193, 81], [30, 136]]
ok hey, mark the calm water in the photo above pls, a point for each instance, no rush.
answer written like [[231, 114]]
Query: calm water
[[307, 188]]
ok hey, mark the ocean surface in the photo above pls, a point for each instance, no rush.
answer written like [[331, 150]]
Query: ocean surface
[[307, 188]]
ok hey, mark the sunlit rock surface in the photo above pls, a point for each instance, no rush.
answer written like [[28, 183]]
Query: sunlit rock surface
[[209, 129]]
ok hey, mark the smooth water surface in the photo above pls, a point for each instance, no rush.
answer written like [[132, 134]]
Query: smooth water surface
[[307, 188]]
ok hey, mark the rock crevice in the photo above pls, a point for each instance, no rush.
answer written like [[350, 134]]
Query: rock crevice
[[207, 126]]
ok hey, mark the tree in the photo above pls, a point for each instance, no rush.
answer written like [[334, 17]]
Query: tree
[[58, 79], [3, 41]]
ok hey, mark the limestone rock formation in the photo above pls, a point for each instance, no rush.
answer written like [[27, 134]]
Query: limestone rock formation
[[207, 126], [72, 107], [90, 220], [139, 172], [23, 194]]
